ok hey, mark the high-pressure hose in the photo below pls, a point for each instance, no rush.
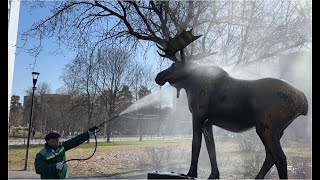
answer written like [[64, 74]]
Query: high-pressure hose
[[95, 137], [95, 148]]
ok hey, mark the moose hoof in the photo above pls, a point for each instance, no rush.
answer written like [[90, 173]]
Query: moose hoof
[[214, 176], [192, 174]]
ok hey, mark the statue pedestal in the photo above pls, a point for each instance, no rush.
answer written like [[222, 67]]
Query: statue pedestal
[[167, 175]]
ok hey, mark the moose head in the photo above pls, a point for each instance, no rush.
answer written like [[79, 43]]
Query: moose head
[[215, 98], [174, 75]]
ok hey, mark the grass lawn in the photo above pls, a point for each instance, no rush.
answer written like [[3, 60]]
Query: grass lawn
[[117, 159], [16, 154]]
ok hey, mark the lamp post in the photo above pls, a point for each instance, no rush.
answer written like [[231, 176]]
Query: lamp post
[[35, 78]]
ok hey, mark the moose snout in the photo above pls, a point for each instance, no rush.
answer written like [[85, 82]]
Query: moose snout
[[160, 80]]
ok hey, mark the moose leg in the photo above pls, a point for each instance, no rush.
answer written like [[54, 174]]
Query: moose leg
[[271, 142], [212, 152], [196, 145], [268, 163]]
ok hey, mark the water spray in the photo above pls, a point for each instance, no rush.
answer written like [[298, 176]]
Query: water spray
[[145, 101]]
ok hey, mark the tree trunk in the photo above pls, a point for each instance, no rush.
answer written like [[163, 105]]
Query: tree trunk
[[140, 128], [108, 130]]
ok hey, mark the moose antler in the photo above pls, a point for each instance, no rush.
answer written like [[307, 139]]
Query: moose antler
[[176, 44]]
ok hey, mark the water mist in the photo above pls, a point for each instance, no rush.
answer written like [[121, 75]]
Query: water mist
[[162, 95]]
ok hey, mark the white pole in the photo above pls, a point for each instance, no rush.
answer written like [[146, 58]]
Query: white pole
[[13, 18]]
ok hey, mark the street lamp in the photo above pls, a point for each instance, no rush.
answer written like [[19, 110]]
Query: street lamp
[[35, 78]]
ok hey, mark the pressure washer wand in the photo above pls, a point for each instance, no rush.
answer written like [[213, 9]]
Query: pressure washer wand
[[108, 121]]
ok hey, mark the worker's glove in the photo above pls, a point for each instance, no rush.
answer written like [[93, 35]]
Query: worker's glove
[[92, 129], [59, 165]]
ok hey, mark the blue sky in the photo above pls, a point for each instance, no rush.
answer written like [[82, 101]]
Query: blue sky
[[49, 65]]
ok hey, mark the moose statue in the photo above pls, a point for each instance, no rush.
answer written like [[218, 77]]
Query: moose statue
[[215, 98]]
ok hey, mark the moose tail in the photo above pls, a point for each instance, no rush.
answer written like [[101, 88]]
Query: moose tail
[[305, 105]]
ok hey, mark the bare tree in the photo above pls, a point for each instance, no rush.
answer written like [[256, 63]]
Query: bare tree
[[242, 32], [82, 84], [76, 105], [113, 73], [40, 107], [141, 83], [81, 89]]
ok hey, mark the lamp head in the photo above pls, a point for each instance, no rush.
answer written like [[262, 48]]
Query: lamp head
[[35, 78]]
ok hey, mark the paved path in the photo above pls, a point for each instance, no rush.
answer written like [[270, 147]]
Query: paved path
[[22, 175], [33, 175]]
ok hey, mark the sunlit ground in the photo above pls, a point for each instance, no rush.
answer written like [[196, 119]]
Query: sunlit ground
[[136, 159]]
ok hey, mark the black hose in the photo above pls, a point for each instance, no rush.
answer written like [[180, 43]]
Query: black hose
[[95, 137]]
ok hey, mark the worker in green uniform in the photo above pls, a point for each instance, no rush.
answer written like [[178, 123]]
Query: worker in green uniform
[[49, 162]]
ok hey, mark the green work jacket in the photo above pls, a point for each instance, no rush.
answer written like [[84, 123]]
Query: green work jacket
[[46, 159]]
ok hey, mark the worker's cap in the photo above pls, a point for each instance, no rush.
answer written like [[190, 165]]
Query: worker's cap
[[51, 135]]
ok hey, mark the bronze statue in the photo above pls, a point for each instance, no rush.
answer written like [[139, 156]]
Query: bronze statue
[[216, 98]]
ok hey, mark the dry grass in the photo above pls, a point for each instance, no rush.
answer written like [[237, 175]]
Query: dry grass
[[115, 155], [122, 157]]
